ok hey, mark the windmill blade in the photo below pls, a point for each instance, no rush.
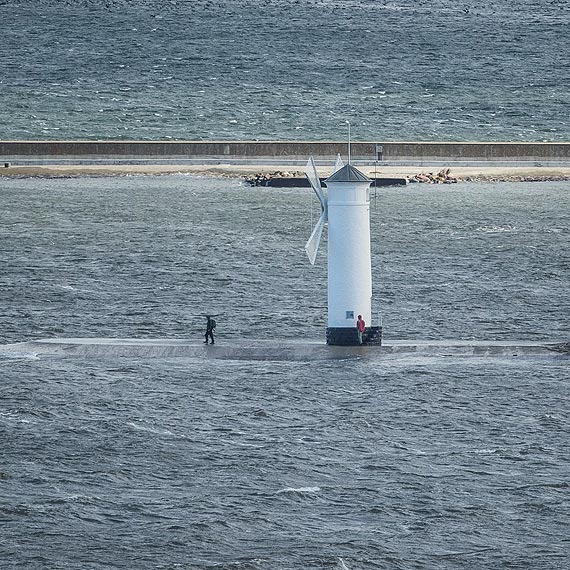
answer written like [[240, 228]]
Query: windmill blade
[[338, 164], [312, 245], [313, 177]]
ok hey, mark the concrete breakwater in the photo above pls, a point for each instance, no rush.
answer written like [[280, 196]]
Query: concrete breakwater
[[278, 350], [282, 152]]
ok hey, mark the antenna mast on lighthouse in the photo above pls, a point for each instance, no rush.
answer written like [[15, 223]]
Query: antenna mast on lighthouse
[[348, 122]]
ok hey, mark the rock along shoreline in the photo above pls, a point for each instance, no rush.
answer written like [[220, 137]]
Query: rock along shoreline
[[252, 171]]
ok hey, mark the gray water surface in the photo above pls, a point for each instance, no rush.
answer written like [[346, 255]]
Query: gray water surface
[[409, 462], [268, 69]]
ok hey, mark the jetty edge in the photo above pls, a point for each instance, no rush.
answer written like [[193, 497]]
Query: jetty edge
[[492, 161], [304, 350]]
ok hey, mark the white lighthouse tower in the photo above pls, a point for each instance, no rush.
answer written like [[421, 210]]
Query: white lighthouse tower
[[346, 208]]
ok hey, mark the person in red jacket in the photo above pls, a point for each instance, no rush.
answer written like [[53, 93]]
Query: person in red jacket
[[360, 327]]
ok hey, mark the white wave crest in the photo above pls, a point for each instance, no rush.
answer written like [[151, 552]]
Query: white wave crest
[[299, 490]]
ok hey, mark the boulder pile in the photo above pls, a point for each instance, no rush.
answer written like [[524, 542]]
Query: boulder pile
[[442, 177], [262, 178]]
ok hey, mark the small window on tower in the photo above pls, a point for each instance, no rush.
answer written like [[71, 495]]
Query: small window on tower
[[350, 314]]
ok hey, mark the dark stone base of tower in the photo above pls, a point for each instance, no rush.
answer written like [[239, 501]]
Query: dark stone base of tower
[[341, 336]]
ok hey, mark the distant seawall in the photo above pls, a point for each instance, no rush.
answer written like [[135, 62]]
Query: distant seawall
[[280, 152]]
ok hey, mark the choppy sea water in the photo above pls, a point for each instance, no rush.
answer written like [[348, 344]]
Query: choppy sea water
[[401, 463], [269, 69]]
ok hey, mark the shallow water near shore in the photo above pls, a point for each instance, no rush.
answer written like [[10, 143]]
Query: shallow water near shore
[[410, 462]]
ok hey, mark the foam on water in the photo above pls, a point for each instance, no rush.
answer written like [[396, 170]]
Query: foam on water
[[300, 490]]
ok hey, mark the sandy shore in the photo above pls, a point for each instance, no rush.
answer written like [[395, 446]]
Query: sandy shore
[[477, 173]]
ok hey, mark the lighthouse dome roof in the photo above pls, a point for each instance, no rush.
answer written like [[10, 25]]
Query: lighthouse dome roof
[[348, 174]]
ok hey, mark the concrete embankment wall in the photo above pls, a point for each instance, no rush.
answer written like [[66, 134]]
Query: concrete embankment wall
[[283, 152]]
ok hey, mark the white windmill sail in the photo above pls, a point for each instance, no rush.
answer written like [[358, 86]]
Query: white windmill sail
[[312, 245], [338, 164], [313, 177]]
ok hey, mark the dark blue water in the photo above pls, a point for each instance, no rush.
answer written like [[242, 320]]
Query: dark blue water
[[268, 69], [405, 462]]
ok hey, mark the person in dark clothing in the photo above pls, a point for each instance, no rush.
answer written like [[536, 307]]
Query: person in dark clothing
[[361, 327], [210, 326]]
